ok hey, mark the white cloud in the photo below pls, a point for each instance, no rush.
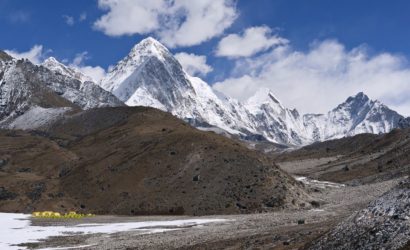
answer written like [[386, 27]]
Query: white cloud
[[95, 72], [193, 64], [80, 58], [69, 20], [20, 16], [176, 23], [36, 54], [82, 17], [194, 22], [319, 79], [252, 41], [130, 17]]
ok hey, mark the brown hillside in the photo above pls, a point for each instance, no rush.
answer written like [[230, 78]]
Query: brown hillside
[[363, 158], [137, 161]]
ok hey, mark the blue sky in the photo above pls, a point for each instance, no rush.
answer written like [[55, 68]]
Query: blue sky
[[66, 28]]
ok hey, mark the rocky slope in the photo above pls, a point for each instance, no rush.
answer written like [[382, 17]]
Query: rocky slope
[[137, 161], [35, 93], [151, 76], [384, 224], [360, 161], [356, 160]]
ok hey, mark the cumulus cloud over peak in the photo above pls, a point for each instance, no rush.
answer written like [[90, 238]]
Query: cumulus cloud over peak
[[322, 77], [176, 23], [95, 72], [194, 64], [36, 54], [129, 17], [252, 41]]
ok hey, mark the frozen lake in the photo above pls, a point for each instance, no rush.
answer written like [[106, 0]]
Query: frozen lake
[[17, 229]]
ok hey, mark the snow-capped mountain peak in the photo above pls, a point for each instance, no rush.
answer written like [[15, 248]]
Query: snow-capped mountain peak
[[149, 47], [358, 114], [31, 95], [358, 97], [274, 121], [358, 108], [263, 97], [355, 103], [149, 75], [52, 61], [54, 65]]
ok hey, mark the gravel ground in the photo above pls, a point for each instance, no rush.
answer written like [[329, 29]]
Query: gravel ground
[[280, 230]]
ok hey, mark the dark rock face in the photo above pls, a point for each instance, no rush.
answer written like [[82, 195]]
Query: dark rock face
[[6, 195], [36, 190], [4, 56], [404, 123], [3, 162], [384, 224]]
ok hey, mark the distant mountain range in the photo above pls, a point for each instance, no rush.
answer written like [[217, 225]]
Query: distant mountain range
[[151, 76]]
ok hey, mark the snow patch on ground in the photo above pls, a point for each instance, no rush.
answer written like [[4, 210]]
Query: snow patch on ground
[[216, 130], [17, 229], [319, 184]]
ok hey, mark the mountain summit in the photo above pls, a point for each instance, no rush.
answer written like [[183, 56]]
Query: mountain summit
[[54, 65], [151, 76], [148, 76], [358, 114]]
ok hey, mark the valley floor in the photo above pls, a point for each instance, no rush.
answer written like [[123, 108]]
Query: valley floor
[[280, 230]]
